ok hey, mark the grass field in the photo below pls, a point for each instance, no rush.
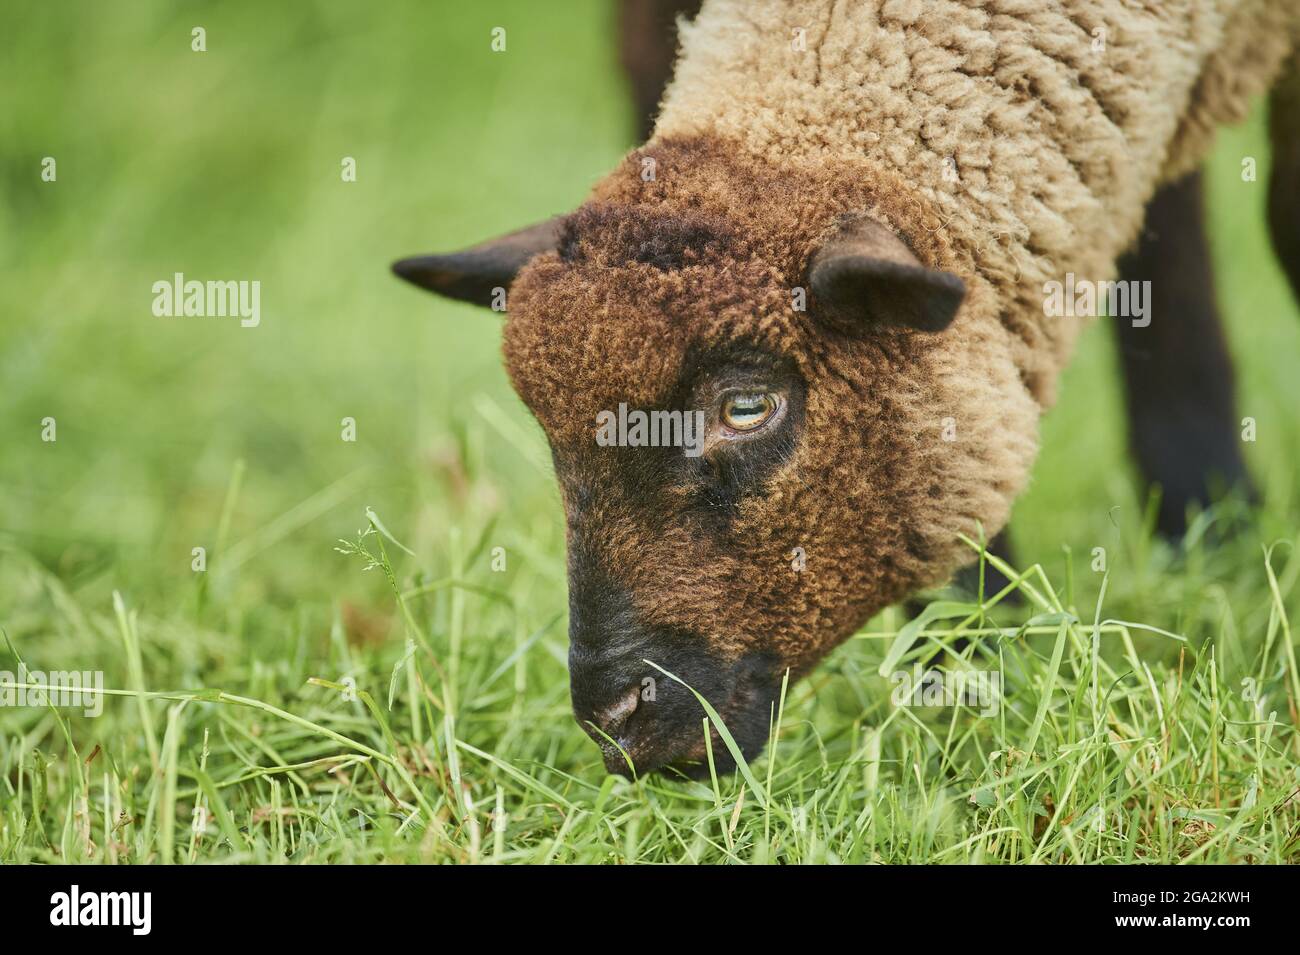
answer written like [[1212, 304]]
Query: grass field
[[1149, 712]]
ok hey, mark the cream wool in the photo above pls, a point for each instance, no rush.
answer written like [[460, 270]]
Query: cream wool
[[1059, 119]]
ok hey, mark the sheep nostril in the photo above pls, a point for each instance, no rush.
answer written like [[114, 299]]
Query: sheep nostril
[[611, 719]]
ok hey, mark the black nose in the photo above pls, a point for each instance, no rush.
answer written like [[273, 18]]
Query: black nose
[[641, 718], [605, 687], [612, 719], [606, 650]]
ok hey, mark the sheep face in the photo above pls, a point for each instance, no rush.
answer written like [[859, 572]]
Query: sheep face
[[797, 476]]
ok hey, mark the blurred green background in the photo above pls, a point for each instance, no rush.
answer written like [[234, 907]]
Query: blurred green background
[[226, 165]]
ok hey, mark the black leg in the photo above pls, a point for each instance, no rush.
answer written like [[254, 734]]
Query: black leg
[[1183, 424], [968, 582], [648, 41], [968, 578], [1284, 184]]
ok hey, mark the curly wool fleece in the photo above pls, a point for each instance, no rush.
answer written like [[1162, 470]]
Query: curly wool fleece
[[1057, 119]]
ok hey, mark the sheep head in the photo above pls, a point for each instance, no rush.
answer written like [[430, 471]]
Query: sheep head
[[845, 397]]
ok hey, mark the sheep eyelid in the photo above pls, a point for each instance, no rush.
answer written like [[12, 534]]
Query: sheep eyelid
[[727, 433]]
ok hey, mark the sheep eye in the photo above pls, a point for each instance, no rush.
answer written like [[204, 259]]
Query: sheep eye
[[748, 412]]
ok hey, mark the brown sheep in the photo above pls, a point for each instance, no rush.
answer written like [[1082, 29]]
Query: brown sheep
[[837, 246]]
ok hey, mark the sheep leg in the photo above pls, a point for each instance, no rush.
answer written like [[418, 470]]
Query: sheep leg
[[968, 582], [968, 578], [648, 44], [1183, 424], [1284, 184]]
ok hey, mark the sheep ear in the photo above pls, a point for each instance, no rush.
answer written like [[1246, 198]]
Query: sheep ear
[[472, 275], [865, 275]]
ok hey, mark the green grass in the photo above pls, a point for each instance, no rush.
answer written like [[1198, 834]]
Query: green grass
[[1149, 711]]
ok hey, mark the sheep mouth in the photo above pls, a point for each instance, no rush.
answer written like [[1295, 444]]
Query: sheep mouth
[[679, 750]]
